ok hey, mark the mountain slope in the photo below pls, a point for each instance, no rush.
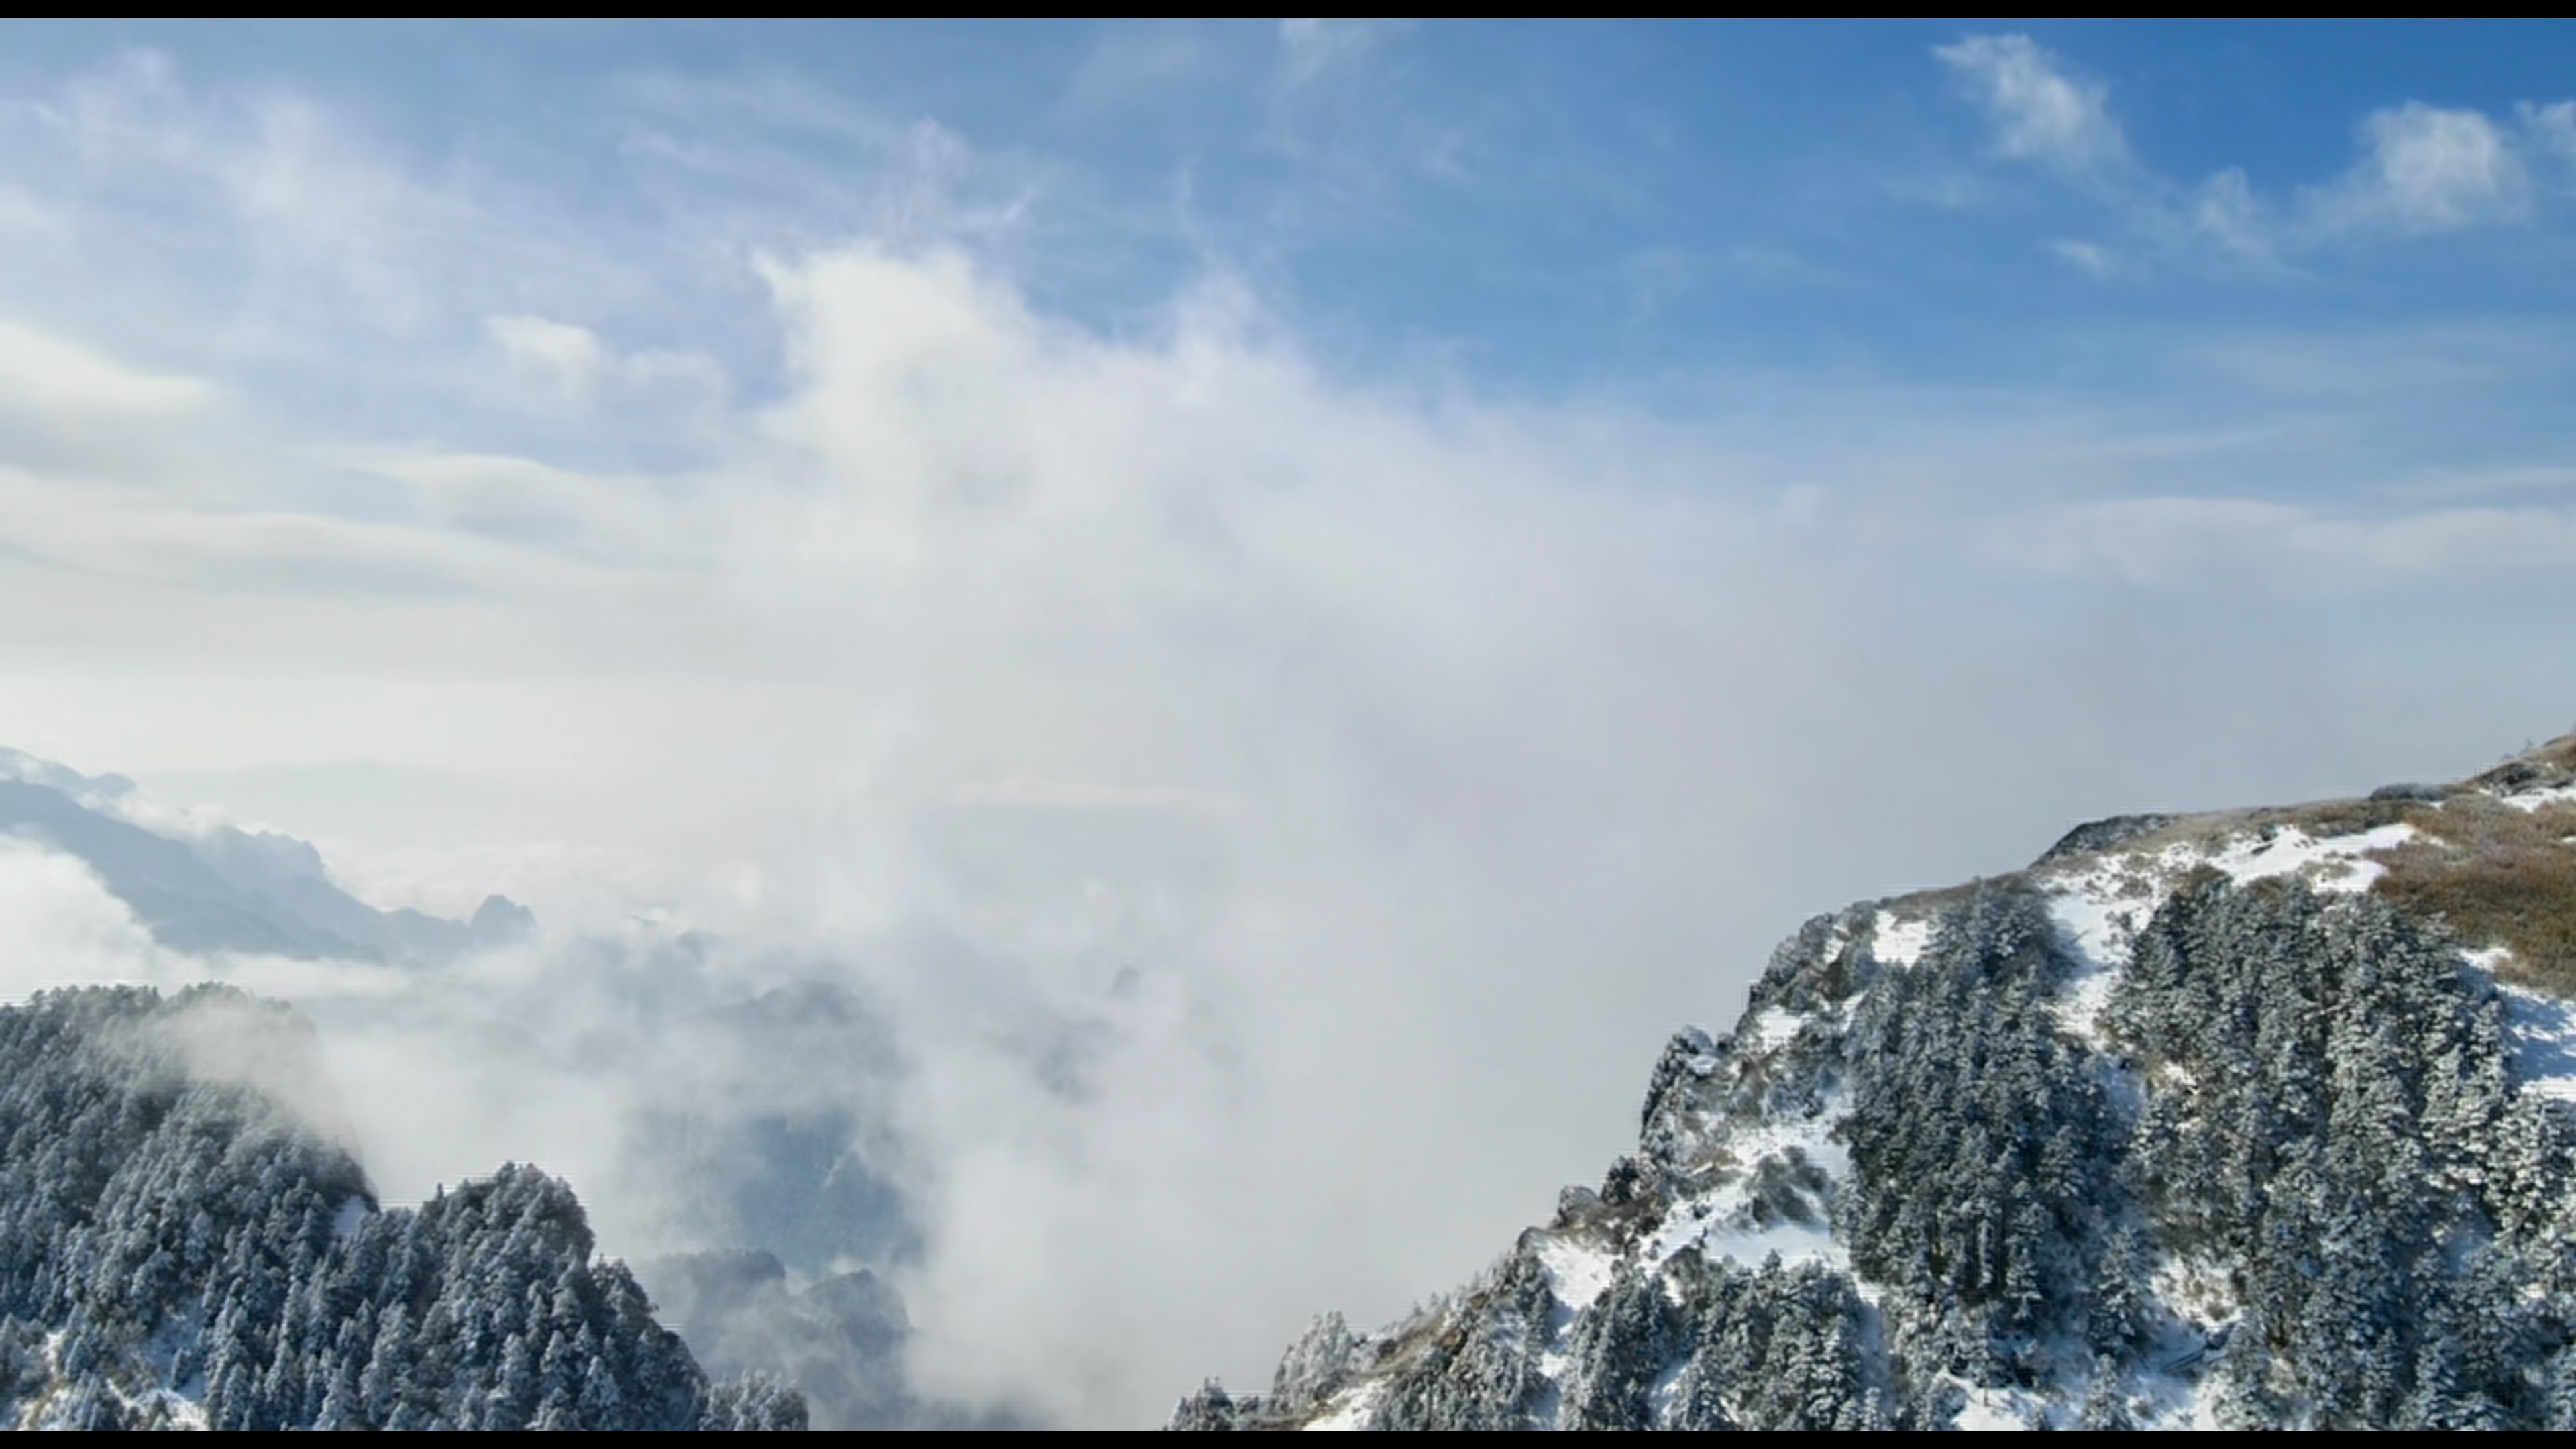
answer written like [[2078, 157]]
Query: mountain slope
[[216, 888], [2208, 1121], [179, 1247]]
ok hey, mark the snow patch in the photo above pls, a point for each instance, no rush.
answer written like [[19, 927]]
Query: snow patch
[[1899, 941], [185, 1413], [2531, 800], [1352, 1411], [2097, 913], [2080, 1011], [2170, 1401], [2334, 863], [1772, 1028], [1665, 1393], [2540, 1031], [1998, 1409], [1577, 1272], [2098, 918], [1796, 1243], [2198, 1291], [2099, 908], [1713, 1220]]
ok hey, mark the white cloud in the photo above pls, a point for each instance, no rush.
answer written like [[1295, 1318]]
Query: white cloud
[[558, 370], [2090, 258], [263, 547], [47, 375], [2426, 169], [568, 357], [2423, 169], [1085, 795], [261, 175], [2257, 546], [2040, 112], [62, 926], [2224, 213], [2551, 128]]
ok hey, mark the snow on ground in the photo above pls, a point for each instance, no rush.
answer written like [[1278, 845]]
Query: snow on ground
[[2332, 864], [2198, 1290], [2170, 1401], [1704, 1219], [2080, 1011], [2099, 904], [1577, 1271], [1996, 1409], [184, 1413], [2198, 1410], [1795, 1243], [2098, 915], [2097, 910], [1897, 941], [1353, 1409], [2531, 800], [1772, 1028], [37, 1408], [180, 1338], [1661, 1397], [2540, 1029]]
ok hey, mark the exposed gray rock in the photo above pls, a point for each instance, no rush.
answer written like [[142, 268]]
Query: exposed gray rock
[[2098, 835]]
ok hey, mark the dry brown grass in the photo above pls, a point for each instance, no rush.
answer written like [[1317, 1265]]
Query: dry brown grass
[[2551, 763], [2499, 876], [1936, 899], [2351, 817]]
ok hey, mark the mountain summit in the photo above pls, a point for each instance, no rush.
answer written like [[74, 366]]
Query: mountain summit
[[2250, 1118]]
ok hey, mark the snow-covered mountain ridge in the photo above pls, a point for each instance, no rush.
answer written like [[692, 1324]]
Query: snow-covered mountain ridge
[[2247, 1118]]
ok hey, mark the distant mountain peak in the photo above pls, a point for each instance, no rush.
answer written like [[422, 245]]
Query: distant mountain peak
[[500, 921], [87, 789], [199, 884]]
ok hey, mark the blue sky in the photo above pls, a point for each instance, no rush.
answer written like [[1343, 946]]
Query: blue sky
[[2363, 230], [1443, 542], [1551, 208]]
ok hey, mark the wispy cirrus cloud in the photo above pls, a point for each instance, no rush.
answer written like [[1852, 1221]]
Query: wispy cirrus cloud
[[2234, 545], [1310, 49], [2421, 170], [2551, 128], [2041, 111]]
